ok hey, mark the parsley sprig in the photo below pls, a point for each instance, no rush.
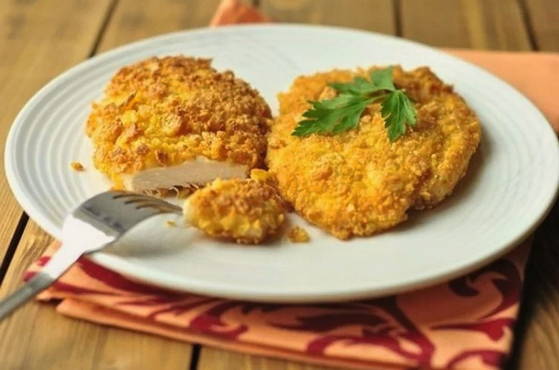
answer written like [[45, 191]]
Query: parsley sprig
[[342, 113]]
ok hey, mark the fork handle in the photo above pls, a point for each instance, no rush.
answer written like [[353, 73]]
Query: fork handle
[[36, 284]]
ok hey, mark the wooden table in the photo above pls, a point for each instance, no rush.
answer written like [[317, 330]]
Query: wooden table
[[41, 38]]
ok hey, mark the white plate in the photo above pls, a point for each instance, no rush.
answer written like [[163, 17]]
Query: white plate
[[508, 190]]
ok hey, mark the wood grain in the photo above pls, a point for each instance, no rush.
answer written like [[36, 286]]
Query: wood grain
[[38, 345], [78, 344], [538, 329], [218, 359], [543, 16], [131, 22], [373, 15], [35, 34], [36, 337], [480, 24], [537, 344], [32, 40], [125, 349]]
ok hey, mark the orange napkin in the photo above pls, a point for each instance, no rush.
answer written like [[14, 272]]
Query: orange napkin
[[465, 323]]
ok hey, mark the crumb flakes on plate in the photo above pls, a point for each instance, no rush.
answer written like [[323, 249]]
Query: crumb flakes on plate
[[77, 166], [298, 235]]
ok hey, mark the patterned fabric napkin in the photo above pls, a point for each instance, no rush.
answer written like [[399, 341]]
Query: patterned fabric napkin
[[466, 323]]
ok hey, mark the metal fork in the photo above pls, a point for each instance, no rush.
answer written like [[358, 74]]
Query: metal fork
[[95, 224]]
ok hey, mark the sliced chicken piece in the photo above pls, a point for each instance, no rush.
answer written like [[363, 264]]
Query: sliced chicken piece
[[195, 172], [176, 121]]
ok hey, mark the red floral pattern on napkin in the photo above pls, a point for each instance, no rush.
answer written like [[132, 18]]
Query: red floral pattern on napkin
[[466, 323]]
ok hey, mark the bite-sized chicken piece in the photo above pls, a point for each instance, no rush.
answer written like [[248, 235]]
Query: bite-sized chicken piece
[[244, 210], [176, 121], [359, 182]]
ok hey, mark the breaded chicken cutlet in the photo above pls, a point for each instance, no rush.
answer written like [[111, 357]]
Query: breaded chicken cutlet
[[358, 182], [244, 210], [175, 122]]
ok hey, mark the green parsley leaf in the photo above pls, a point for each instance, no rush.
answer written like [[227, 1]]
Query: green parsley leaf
[[359, 86], [398, 111], [342, 113], [335, 115], [383, 79]]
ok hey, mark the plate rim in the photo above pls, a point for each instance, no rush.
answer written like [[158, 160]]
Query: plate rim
[[134, 271]]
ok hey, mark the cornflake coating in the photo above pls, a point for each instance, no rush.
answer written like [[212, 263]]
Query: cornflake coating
[[261, 175], [358, 183], [162, 112], [298, 235], [246, 211], [266, 177]]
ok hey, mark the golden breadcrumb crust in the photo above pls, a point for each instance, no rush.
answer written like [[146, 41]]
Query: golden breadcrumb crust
[[163, 111], [298, 235], [247, 211], [358, 182]]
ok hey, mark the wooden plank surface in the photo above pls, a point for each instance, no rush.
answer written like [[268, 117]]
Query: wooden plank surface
[[79, 344], [131, 22], [218, 359], [42, 335], [480, 24], [538, 328], [36, 337], [373, 15], [543, 17], [32, 39]]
